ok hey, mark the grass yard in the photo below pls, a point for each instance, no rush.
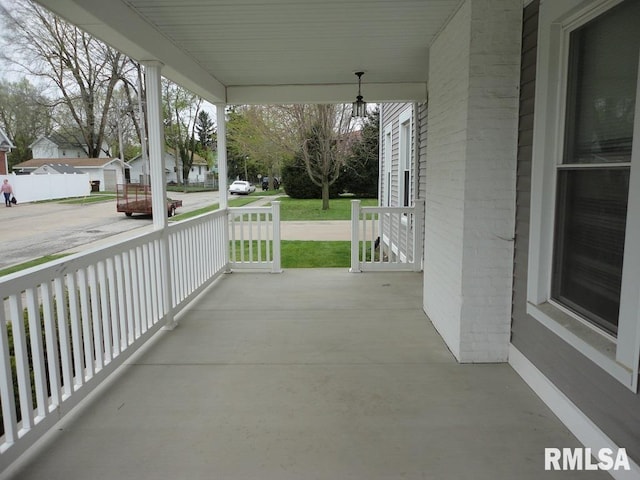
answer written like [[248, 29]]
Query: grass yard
[[306, 254], [266, 193], [31, 263], [234, 202], [311, 209], [91, 199], [309, 254]]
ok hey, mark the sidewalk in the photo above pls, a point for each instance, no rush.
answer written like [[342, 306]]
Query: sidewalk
[[316, 230], [323, 230]]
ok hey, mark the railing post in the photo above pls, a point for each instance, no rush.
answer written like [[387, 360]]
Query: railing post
[[275, 219], [418, 228], [355, 236], [158, 183], [222, 178]]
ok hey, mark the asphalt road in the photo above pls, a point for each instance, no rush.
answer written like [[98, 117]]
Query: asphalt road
[[32, 230]]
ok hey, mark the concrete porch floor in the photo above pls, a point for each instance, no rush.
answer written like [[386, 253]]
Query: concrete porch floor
[[310, 374]]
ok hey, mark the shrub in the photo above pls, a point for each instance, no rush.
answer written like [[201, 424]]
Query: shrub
[[297, 184]]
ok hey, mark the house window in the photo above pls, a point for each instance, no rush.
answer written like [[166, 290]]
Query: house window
[[404, 169], [593, 179], [584, 274]]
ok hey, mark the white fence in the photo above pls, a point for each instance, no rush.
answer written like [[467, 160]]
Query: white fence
[[386, 238], [33, 188], [65, 326], [255, 238]]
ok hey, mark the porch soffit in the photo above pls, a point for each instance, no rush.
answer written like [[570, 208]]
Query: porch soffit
[[274, 51]]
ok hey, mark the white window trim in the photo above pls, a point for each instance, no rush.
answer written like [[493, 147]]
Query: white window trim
[[618, 357], [387, 163], [405, 119]]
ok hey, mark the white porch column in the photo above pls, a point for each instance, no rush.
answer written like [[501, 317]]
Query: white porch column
[[158, 182], [221, 119], [471, 171], [156, 143], [222, 154]]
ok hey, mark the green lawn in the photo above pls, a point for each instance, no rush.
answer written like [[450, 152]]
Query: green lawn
[[92, 199], [339, 208], [266, 193], [234, 202], [307, 254], [31, 263]]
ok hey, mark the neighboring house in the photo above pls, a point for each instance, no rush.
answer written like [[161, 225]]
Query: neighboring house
[[199, 170], [108, 171], [558, 298], [57, 145], [402, 167], [5, 148], [56, 169]]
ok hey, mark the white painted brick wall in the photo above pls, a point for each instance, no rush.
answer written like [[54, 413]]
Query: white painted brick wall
[[471, 166], [446, 154]]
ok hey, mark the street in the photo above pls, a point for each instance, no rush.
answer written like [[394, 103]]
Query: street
[[32, 230]]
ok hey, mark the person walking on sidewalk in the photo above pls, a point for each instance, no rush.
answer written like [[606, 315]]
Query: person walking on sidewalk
[[7, 190]]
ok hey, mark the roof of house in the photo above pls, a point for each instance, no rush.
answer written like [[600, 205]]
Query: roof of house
[[61, 168], [63, 140], [74, 162], [5, 140]]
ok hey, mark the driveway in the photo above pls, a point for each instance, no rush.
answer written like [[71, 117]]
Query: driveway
[[32, 230]]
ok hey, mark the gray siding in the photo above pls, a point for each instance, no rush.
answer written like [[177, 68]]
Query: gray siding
[[421, 171], [391, 116], [610, 405]]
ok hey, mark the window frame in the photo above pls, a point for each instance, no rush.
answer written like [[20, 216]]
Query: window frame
[[387, 152], [405, 158], [619, 356]]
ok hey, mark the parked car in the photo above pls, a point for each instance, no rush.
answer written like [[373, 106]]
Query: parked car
[[241, 187]]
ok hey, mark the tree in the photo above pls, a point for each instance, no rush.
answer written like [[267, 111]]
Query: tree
[[181, 111], [24, 116], [297, 183], [239, 163], [260, 133], [83, 70], [360, 171], [323, 133], [205, 129]]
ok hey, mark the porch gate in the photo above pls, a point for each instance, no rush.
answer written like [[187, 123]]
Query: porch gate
[[386, 238]]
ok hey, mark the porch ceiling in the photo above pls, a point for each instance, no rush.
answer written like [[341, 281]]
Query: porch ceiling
[[274, 51]]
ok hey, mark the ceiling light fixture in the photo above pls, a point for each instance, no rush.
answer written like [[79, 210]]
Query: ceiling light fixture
[[359, 106]]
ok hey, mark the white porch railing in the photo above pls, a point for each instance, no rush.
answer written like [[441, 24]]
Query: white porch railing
[[386, 238], [65, 326], [255, 238]]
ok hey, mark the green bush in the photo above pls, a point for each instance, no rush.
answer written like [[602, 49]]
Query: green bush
[[297, 184]]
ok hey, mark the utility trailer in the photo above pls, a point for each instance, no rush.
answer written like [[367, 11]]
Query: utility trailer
[[136, 198]]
